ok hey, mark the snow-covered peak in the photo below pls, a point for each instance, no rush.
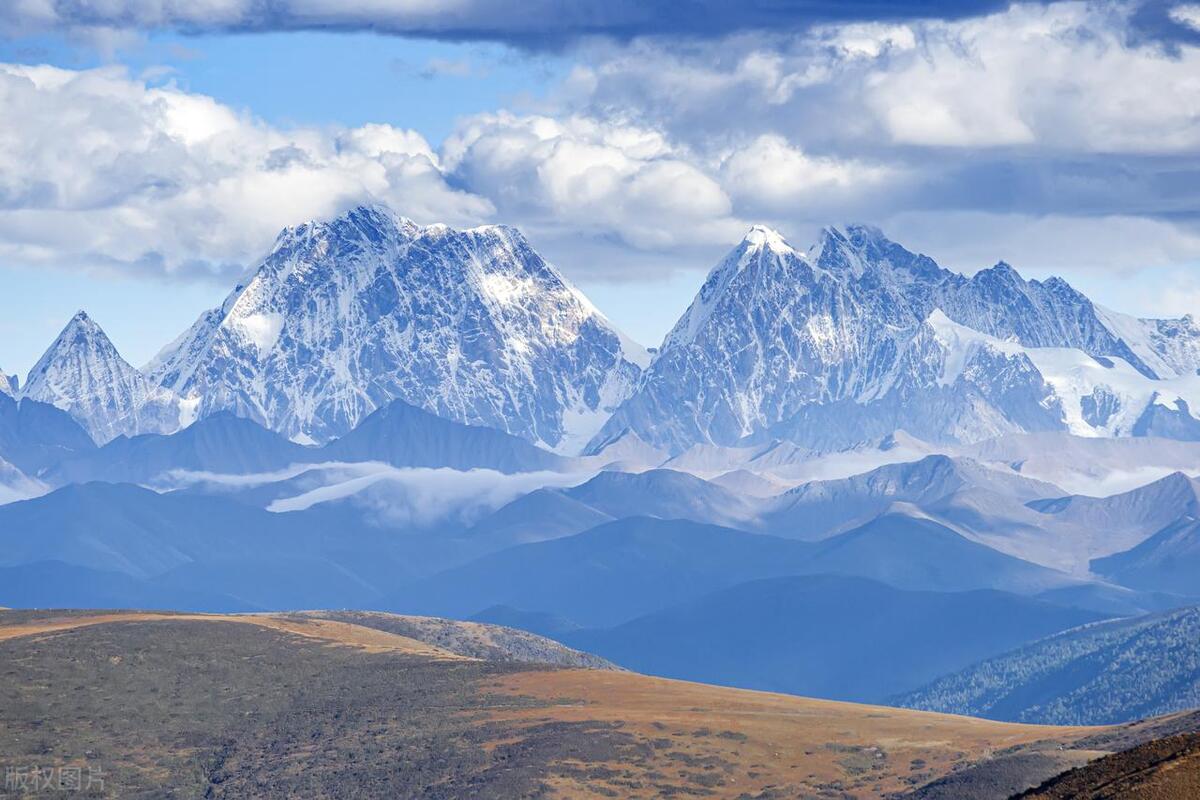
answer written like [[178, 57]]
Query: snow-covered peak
[[760, 236], [762, 250], [366, 222], [861, 336], [8, 384], [83, 374], [349, 314], [80, 340]]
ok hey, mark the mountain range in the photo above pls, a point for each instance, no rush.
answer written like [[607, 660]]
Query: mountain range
[[858, 337], [846, 342], [416, 419]]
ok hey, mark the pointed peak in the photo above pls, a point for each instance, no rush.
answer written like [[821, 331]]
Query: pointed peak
[[761, 237], [862, 232], [79, 320], [761, 233], [368, 220], [831, 233], [858, 236], [1001, 269]]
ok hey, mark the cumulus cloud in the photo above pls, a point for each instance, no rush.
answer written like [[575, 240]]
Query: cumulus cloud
[[100, 169], [1188, 14], [590, 176], [654, 147], [772, 176], [1068, 76], [1065, 76]]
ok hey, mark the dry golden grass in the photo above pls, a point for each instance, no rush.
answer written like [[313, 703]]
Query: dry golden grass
[[756, 740], [338, 633], [596, 733]]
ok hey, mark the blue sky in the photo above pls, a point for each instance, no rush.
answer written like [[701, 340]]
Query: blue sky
[[287, 79], [633, 142]]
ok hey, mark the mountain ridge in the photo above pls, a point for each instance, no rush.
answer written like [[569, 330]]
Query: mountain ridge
[[859, 337]]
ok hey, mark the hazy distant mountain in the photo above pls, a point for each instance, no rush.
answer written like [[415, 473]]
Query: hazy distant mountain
[[605, 575], [537, 622], [859, 337], [937, 483], [347, 315], [546, 513], [405, 436], [914, 553], [54, 584], [665, 494], [220, 443], [83, 374], [825, 636], [1111, 672], [1168, 561], [35, 436], [16, 485], [636, 565], [124, 528]]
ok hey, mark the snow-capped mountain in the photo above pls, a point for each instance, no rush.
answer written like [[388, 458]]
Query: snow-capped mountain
[[83, 374], [858, 337], [345, 316], [8, 384]]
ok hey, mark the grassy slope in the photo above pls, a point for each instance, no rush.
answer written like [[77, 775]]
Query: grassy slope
[[272, 706]]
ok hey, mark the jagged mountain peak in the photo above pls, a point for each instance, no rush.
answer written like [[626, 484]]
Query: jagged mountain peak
[[859, 336], [365, 221], [83, 374], [760, 236], [347, 315], [81, 337]]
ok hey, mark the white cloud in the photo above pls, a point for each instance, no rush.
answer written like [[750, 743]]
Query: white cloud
[[650, 148], [776, 178], [100, 170], [1187, 14], [419, 496], [590, 176], [1063, 75], [1046, 244]]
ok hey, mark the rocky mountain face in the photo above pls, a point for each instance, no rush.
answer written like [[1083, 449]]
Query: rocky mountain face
[[83, 374], [859, 337], [345, 316], [8, 384], [826, 349]]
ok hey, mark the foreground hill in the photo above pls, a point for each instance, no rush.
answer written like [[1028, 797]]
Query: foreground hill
[[1163, 769], [286, 705]]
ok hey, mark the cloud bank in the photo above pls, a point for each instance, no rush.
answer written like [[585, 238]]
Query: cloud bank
[[999, 132]]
